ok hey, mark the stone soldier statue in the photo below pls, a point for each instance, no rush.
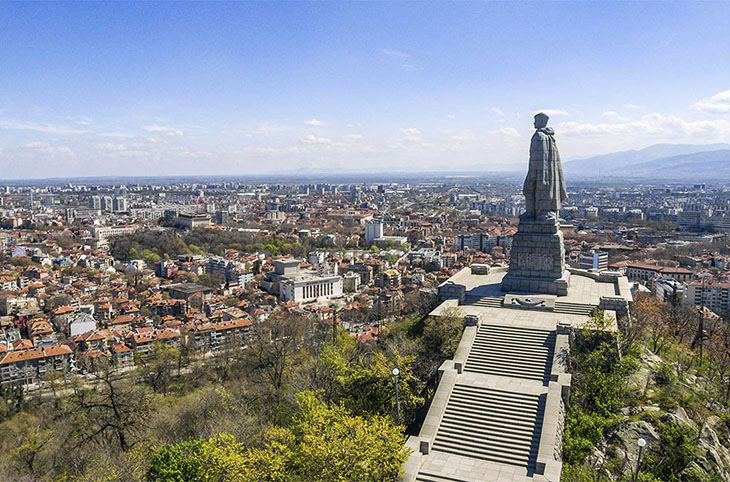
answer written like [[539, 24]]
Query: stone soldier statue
[[544, 187]]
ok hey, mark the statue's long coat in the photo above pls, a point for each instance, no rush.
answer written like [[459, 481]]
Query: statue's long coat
[[545, 174]]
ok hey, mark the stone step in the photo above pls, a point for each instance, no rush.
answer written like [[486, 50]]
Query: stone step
[[510, 328], [582, 309], [487, 304], [497, 425], [501, 456], [491, 406], [538, 376], [471, 422], [514, 367], [491, 424], [506, 364], [573, 308], [512, 351], [477, 442], [573, 303], [507, 338], [429, 477], [492, 411], [536, 353], [459, 410], [495, 393]]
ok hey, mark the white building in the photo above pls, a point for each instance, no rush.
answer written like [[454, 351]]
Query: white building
[[594, 260], [102, 233], [715, 296], [373, 230], [306, 288]]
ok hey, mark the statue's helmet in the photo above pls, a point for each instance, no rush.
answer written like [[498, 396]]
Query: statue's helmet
[[541, 120]]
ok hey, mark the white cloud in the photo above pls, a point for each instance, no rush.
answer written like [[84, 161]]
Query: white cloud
[[404, 58], [41, 127], [110, 147], [634, 106], [315, 122], [615, 116], [167, 130], [120, 135], [410, 67], [719, 103], [450, 116], [498, 111], [312, 139], [464, 135], [509, 132], [411, 134], [651, 127], [47, 149], [394, 53]]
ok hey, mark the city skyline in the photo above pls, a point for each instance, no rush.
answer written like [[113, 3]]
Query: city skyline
[[102, 89]]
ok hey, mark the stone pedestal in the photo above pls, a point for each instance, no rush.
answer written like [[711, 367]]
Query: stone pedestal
[[537, 259]]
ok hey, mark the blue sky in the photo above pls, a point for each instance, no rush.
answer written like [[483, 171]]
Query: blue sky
[[90, 88]]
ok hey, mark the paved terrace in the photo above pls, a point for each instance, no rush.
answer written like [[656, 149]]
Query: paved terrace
[[499, 409]]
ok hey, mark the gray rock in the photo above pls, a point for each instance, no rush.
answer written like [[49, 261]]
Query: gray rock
[[678, 415], [622, 443], [714, 450]]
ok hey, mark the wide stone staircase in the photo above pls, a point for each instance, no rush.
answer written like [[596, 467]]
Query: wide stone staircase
[[491, 424], [512, 351], [573, 308], [486, 301], [567, 307]]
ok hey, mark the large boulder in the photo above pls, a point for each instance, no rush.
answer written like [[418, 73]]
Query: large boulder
[[679, 416], [649, 363], [621, 444], [715, 456]]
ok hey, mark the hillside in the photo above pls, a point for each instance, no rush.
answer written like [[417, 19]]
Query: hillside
[[666, 161]]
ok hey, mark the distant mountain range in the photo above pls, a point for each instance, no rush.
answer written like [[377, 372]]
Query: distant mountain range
[[704, 162]]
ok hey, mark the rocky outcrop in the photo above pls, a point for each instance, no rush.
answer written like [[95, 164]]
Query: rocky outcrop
[[714, 456], [621, 444]]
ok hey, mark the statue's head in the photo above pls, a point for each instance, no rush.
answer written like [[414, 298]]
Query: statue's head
[[541, 120]]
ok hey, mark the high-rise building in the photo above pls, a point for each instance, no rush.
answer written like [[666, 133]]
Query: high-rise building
[[373, 230], [107, 204], [95, 202], [222, 218], [594, 260], [120, 204], [355, 194]]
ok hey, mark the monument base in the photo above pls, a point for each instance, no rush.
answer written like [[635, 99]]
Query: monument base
[[534, 284], [537, 259]]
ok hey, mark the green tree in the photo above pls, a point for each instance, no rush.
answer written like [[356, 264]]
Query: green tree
[[323, 443], [598, 388], [177, 463], [362, 379], [156, 367], [150, 257], [333, 446]]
